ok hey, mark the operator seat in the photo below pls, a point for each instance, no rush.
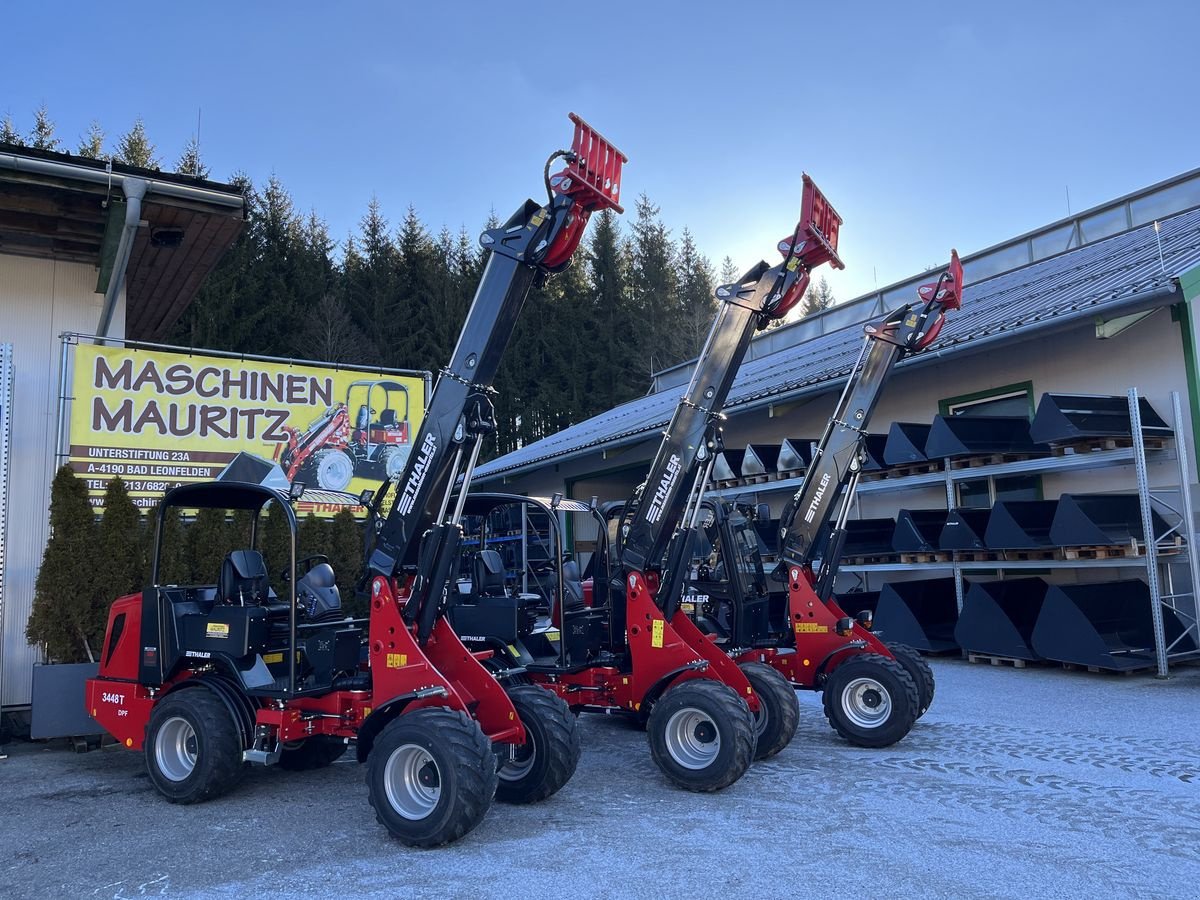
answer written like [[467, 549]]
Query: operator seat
[[387, 418], [487, 575], [244, 580]]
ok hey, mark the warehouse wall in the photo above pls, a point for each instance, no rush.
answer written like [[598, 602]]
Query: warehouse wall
[[39, 299]]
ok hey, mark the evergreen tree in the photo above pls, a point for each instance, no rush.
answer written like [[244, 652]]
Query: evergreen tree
[[369, 286], [729, 272], [189, 161], [42, 137], [119, 542], [67, 620], [91, 145], [9, 133], [695, 294], [817, 297], [417, 338], [273, 541], [655, 294], [173, 566], [613, 380], [207, 545], [345, 552], [134, 148], [312, 538]]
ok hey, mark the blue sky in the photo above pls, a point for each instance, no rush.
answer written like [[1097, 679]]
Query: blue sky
[[926, 124]]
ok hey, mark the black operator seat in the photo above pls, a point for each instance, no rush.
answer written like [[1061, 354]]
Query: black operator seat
[[244, 580], [488, 575], [572, 586], [387, 418]]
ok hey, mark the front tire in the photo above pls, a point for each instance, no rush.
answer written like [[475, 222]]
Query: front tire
[[701, 735], [547, 759], [334, 469], [922, 675], [431, 776], [393, 459], [870, 700], [312, 753], [193, 746], [779, 714]]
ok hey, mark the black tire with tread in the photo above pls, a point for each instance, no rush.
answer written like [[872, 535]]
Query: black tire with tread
[[555, 733], [782, 710], [894, 678], [465, 762], [219, 764], [313, 753], [734, 723], [920, 671]]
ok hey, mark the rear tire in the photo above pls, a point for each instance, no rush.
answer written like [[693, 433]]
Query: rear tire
[[334, 469], [870, 700], [193, 746], [312, 753], [779, 714], [547, 760], [431, 776], [392, 459], [701, 735], [922, 675]]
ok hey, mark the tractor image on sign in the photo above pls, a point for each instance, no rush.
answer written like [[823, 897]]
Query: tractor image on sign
[[334, 449]]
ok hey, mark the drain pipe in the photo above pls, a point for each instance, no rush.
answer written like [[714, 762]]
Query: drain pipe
[[134, 190]]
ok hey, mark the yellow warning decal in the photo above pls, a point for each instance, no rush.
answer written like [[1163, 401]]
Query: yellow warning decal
[[911, 321], [552, 634], [811, 628], [538, 218], [688, 607], [216, 630], [656, 633], [397, 660], [271, 658], [793, 263]]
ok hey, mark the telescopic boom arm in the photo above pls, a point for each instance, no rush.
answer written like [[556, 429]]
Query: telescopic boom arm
[[692, 440], [420, 535], [837, 460]]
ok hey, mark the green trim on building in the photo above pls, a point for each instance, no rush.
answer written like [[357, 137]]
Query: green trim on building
[[1189, 282], [1016, 387]]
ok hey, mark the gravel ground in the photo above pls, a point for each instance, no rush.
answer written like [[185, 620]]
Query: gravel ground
[[1036, 782]]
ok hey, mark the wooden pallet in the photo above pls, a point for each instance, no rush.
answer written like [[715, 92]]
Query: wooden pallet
[[989, 459], [875, 559], [1099, 445], [1097, 670], [1103, 551], [997, 660], [976, 555], [1038, 555], [907, 469], [790, 473], [926, 557]]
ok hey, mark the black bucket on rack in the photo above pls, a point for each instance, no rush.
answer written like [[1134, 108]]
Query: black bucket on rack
[[1069, 418], [921, 614], [1089, 520], [918, 530], [873, 445], [728, 466], [795, 454], [964, 529], [1020, 524], [1105, 626], [905, 443], [760, 459], [768, 535], [864, 537], [998, 617], [856, 601], [979, 435]]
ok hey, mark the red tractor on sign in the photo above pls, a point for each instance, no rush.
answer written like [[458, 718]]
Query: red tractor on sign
[[332, 450]]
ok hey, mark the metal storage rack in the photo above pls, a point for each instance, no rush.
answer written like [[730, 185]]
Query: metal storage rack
[[1162, 567]]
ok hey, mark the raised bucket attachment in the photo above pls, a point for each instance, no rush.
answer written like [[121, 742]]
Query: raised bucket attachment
[[1020, 524], [864, 537], [964, 529], [768, 534], [1091, 520], [760, 460], [251, 469], [1078, 418], [998, 617], [1108, 625], [921, 614], [728, 466], [918, 530], [905, 444], [979, 436], [795, 454], [873, 445]]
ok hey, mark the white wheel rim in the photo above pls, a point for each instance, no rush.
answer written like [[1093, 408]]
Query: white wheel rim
[[412, 782], [866, 702], [175, 749], [522, 765], [394, 467], [335, 472], [692, 739]]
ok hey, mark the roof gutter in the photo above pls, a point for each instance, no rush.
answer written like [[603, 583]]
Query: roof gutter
[[1154, 298], [107, 177], [135, 190]]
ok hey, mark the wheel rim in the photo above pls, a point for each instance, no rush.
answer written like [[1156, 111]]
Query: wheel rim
[[521, 764], [412, 781], [866, 702], [175, 748], [692, 739], [335, 472], [394, 467], [761, 718]]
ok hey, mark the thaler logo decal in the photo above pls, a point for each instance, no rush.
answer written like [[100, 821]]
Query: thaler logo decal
[[654, 513], [816, 500], [409, 496]]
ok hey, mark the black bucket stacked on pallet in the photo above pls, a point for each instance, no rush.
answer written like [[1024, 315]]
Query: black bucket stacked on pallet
[[998, 617], [1103, 626], [954, 436], [795, 454], [864, 537], [1092, 520], [873, 446], [918, 530], [1074, 418], [964, 529], [905, 444], [728, 466], [922, 614], [1020, 524], [760, 459]]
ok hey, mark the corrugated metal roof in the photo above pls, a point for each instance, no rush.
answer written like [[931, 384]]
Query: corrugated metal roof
[[1079, 284]]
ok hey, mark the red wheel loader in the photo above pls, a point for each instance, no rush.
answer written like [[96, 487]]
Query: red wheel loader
[[632, 650], [207, 679]]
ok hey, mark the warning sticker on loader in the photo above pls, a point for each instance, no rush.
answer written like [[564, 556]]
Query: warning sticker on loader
[[656, 633], [811, 628], [158, 419], [216, 630]]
